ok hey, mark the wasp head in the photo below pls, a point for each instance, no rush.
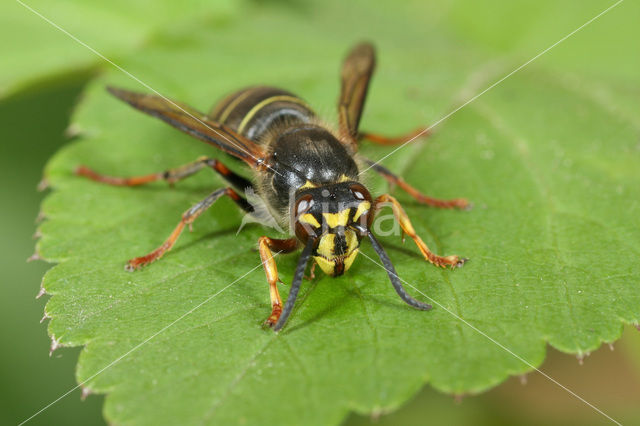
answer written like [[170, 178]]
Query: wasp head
[[334, 216]]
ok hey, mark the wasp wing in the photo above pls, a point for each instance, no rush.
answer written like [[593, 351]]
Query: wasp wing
[[194, 123], [356, 73]]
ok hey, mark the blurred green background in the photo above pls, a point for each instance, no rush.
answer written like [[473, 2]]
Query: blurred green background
[[32, 127]]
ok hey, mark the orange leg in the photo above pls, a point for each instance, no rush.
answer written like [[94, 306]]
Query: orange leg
[[421, 132], [171, 175], [265, 245], [187, 219], [457, 203], [407, 228]]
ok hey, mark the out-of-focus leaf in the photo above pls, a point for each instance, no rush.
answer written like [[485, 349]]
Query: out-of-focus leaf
[[34, 46]]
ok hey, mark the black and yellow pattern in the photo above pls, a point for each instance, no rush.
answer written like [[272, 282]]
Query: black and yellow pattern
[[304, 172]]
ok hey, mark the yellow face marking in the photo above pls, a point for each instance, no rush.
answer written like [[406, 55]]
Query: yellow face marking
[[337, 219], [308, 184], [362, 208], [351, 239], [327, 266], [308, 218], [348, 261], [325, 247], [327, 259], [344, 178], [268, 101]]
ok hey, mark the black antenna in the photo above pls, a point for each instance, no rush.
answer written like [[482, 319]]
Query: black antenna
[[295, 285], [397, 285]]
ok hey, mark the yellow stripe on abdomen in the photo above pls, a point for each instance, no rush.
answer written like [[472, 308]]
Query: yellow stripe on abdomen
[[257, 107]]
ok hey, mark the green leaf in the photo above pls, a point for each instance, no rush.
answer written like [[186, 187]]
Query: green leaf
[[35, 47], [550, 164]]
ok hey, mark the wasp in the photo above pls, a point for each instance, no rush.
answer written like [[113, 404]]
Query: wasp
[[307, 173]]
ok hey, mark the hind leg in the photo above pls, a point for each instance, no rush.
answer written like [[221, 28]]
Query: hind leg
[[171, 175], [456, 203]]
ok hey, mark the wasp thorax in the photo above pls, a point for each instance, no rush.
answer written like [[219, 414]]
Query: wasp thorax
[[328, 214]]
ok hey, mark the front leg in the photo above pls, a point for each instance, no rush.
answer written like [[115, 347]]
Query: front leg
[[407, 228], [265, 245]]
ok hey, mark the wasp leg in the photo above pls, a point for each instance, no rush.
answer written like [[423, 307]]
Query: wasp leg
[[421, 132], [457, 203], [187, 219], [265, 245], [407, 228], [171, 175]]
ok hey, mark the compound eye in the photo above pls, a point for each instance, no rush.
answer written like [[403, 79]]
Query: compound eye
[[303, 228], [303, 205], [360, 192]]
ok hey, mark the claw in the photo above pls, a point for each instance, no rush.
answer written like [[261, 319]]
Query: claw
[[139, 262], [274, 317], [270, 322], [453, 261], [461, 261], [133, 264]]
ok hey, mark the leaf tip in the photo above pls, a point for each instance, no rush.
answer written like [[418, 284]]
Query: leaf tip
[[55, 344], [73, 130], [41, 293], [34, 256], [85, 392], [43, 184], [581, 356], [523, 379], [41, 216], [376, 413]]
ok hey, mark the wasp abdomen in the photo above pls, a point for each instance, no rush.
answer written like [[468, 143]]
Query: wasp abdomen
[[254, 111]]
